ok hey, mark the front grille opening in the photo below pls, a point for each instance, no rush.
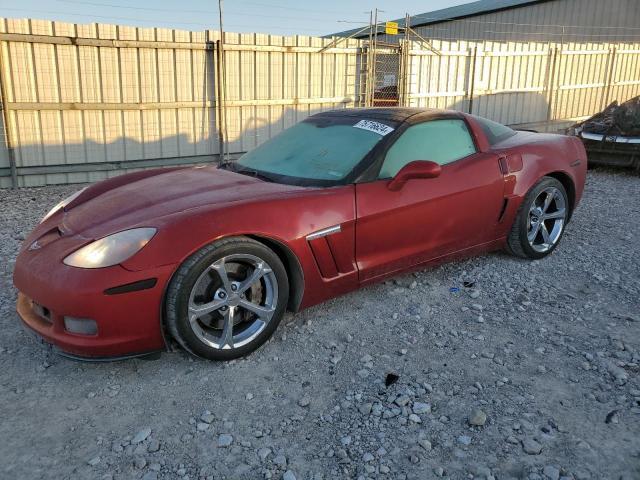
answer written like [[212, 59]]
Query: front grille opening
[[42, 312]]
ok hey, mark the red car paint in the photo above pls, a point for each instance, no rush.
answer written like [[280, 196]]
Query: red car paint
[[469, 208]]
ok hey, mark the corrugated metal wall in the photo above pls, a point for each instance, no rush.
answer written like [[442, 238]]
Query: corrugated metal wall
[[83, 113], [537, 85], [86, 102], [552, 21], [273, 82]]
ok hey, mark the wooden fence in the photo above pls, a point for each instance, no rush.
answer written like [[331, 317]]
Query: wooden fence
[[82, 103]]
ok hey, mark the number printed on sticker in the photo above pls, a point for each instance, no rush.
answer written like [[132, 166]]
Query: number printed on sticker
[[375, 127]]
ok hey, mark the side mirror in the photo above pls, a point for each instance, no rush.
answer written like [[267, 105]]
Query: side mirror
[[417, 169]]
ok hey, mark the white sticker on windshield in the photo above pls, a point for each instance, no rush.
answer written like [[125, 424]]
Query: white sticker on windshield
[[375, 127]]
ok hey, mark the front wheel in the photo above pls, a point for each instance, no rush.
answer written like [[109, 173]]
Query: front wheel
[[227, 299], [541, 220]]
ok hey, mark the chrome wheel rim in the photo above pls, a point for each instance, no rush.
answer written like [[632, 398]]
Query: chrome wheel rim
[[546, 220], [233, 301]]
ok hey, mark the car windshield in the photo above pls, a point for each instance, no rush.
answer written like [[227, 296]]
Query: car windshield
[[317, 151]]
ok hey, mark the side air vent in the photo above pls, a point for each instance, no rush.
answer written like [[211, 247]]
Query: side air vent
[[324, 257], [330, 248]]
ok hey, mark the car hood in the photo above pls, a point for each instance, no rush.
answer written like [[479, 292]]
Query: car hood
[[139, 198]]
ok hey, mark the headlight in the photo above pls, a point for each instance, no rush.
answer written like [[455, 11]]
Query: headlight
[[111, 250], [63, 204]]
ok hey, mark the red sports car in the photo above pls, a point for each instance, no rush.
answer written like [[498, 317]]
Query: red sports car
[[214, 255]]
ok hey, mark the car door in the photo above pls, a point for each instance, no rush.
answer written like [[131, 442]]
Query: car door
[[428, 218]]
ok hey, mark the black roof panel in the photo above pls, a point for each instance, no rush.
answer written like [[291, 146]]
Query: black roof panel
[[394, 114]]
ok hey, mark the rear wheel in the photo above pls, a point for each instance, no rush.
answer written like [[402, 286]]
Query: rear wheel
[[227, 299], [541, 220]]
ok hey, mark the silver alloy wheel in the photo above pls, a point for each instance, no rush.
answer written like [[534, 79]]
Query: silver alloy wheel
[[547, 217], [232, 301]]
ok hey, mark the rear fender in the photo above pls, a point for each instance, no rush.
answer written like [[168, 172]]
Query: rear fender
[[558, 157]]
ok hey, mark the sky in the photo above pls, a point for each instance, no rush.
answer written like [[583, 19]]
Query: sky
[[280, 17]]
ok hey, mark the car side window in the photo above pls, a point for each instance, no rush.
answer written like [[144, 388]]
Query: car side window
[[495, 132], [441, 141]]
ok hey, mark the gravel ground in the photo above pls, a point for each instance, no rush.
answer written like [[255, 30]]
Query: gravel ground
[[531, 372]]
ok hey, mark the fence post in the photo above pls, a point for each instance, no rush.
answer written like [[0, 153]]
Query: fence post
[[403, 75], [399, 88], [220, 106], [611, 61], [4, 103], [554, 53], [370, 60], [374, 63], [471, 76], [407, 74], [404, 64], [361, 72]]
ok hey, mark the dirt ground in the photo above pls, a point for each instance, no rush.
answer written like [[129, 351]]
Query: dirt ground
[[532, 371]]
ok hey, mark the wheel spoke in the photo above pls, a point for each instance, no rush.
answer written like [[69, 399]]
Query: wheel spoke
[[545, 233], [226, 338], [220, 269], [259, 271], [534, 231], [547, 201], [200, 310], [553, 215], [262, 312]]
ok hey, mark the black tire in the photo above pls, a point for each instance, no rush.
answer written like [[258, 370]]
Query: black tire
[[517, 241], [182, 283]]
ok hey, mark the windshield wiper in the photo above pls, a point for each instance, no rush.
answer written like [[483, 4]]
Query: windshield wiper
[[253, 172], [241, 169], [226, 165]]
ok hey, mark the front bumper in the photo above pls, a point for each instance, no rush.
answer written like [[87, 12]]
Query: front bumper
[[128, 324], [36, 325]]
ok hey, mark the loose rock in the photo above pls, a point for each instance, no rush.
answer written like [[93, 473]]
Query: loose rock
[[141, 436], [478, 418], [531, 446], [225, 440]]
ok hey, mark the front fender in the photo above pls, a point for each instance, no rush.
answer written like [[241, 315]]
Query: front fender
[[286, 220]]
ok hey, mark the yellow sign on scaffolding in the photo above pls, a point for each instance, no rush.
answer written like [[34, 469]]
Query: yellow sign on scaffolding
[[391, 28]]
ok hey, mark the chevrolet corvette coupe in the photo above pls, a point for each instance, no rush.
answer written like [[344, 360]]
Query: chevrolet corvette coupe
[[214, 255]]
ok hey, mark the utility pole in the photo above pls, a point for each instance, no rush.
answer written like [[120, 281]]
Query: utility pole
[[222, 91]]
